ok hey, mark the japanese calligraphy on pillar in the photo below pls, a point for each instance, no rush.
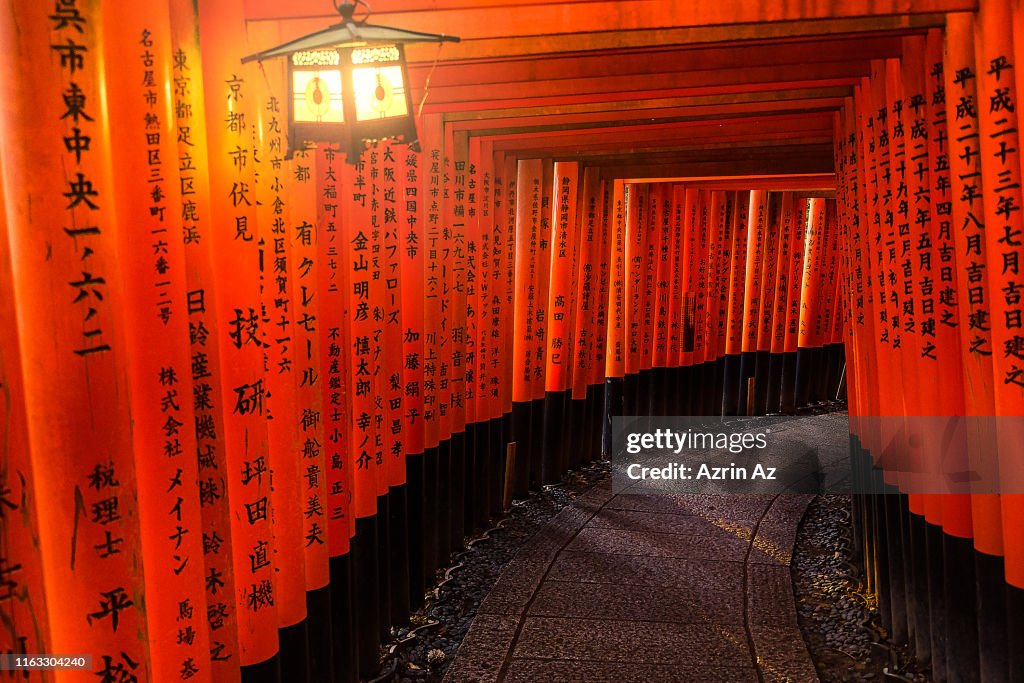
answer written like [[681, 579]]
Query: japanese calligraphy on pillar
[[587, 279], [411, 319], [334, 401], [208, 401], [229, 104], [152, 256], [542, 279], [457, 277], [71, 338], [617, 317], [527, 237], [600, 341], [358, 257], [734, 340], [285, 411], [392, 386], [23, 605], [562, 290], [318, 459], [430, 208]]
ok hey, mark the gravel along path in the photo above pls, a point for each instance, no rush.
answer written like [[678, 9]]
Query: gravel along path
[[839, 621], [422, 653]]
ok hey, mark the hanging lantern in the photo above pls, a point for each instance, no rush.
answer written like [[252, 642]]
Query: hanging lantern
[[349, 84]]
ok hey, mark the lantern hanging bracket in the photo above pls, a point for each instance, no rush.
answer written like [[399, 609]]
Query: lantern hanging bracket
[[348, 83]]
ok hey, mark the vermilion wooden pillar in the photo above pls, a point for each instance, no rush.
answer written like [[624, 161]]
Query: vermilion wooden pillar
[[527, 237], [734, 332], [145, 198], [24, 610], [1000, 157], [62, 237], [615, 358], [757, 228], [562, 291]]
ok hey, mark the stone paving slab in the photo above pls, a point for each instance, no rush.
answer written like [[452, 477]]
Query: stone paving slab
[[770, 596], [636, 603], [734, 507], [483, 650], [780, 658], [652, 588], [702, 575], [724, 547], [559, 671], [630, 641], [656, 522]]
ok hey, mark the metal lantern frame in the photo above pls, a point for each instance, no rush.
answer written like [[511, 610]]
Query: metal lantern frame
[[374, 47]]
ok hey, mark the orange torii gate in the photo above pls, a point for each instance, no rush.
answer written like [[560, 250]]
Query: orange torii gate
[[718, 209]]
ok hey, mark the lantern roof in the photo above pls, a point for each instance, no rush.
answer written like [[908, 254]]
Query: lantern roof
[[350, 33]]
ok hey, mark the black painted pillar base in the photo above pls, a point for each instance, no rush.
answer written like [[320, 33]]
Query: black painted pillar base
[[993, 646], [499, 453], [897, 567], [267, 671], [694, 399], [471, 487], [320, 632], [788, 383], [521, 437], [555, 421], [536, 441], [762, 360], [444, 502], [674, 392], [731, 385], [366, 594], [659, 382], [383, 562], [613, 390], [414, 464], [1015, 632], [429, 522], [748, 368], [595, 398], [644, 392], [936, 601], [481, 447], [630, 389], [293, 655], [918, 597], [344, 639], [456, 518], [774, 401], [806, 368], [575, 435], [718, 389], [707, 389], [684, 390], [959, 590], [398, 566]]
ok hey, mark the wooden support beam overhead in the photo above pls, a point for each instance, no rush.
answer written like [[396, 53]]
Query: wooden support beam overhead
[[546, 45], [476, 19], [656, 106], [662, 60], [720, 169], [565, 122], [727, 125], [766, 150], [807, 182]]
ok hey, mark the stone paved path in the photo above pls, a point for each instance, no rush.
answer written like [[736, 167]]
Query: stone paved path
[[646, 588]]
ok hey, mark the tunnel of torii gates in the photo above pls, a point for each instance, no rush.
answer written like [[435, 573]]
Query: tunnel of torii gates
[[251, 404]]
